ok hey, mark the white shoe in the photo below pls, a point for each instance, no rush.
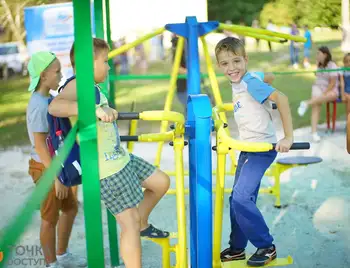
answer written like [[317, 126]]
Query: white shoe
[[54, 265], [302, 108], [70, 260], [296, 66], [316, 137]]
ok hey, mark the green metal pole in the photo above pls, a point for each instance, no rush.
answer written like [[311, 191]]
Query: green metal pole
[[110, 42], [88, 133], [113, 240], [99, 29], [112, 225]]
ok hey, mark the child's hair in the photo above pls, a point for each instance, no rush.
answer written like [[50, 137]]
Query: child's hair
[[231, 44], [346, 55], [99, 45], [325, 50]]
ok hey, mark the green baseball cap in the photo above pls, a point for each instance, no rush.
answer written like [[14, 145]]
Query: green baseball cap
[[37, 64]]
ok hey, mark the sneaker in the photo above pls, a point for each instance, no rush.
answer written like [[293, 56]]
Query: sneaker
[[70, 260], [302, 108], [307, 65], [262, 256], [54, 265], [232, 255], [315, 137]]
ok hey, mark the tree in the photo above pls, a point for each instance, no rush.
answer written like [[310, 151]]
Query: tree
[[311, 12], [235, 10]]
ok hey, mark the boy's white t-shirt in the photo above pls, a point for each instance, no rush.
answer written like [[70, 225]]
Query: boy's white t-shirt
[[252, 109]]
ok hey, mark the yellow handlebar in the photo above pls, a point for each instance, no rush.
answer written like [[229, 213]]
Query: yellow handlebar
[[235, 144], [162, 116]]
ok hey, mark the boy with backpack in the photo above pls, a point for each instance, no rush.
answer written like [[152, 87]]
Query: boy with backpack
[[45, 73]]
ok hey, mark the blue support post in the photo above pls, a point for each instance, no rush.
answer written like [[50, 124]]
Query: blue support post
[[201, 223], [198, 129]]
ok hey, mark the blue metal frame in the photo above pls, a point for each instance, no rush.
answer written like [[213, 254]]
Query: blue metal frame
[[198, 131]]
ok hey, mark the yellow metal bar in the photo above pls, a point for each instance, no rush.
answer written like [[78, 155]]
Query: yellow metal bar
[[246, 29], [243, 145], [243, 263], [154, 137], [132, 132], [235, 144], [224, 107], [215, 88], [212, 77], [164, 243], [181, 257], [170, 95], [219, 203], [228, 172], [126, 47], [162, 116], [259, 36]]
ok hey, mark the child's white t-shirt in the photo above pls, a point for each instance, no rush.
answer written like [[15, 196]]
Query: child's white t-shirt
[[252, 109]]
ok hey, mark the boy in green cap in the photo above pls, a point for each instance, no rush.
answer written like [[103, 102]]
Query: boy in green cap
[[45, 74]]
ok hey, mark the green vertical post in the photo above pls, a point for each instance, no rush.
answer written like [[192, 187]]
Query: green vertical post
[[112, 225], [88, 132], [99, 30], [110, 62]]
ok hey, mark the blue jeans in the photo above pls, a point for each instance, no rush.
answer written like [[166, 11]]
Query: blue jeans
[[247, 222], [294, 51]]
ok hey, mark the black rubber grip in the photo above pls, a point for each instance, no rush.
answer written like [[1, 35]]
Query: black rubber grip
[[297, 146], [128, 116], [172, 143], [129, 138]]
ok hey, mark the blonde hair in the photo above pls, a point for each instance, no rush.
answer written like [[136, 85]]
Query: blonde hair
[[99, 45], [232, 44]]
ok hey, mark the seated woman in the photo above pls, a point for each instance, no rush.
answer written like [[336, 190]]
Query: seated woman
[[325, 89]]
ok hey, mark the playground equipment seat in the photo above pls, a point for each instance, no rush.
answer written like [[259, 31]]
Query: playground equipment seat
[[281, 165]]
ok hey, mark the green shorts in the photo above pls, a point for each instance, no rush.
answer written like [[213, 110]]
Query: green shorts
[[123, 190]]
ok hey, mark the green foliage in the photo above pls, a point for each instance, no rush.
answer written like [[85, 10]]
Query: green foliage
[[311, 12], [235, 10]]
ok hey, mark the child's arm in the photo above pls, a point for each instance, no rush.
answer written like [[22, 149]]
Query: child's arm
[[45, 157], [65, 105], [282, 103], [348, 134], [331, 84], [261, 91], [268, 78], [41, 148]]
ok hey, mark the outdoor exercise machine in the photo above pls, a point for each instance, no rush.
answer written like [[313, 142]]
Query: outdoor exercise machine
[[197, 129]]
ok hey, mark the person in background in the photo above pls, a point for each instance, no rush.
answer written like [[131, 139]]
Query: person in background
[[307, 47], [294, 48]]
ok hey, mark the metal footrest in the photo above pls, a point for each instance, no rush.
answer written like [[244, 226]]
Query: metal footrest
[[243, 263]]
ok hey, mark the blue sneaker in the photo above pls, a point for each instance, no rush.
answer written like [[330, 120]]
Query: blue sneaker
[[262, 256], [232, 255]]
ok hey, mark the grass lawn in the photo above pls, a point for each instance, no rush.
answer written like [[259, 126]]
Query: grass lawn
[[150, 95]]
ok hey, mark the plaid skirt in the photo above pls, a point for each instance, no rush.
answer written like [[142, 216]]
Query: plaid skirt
[[123, 190]]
